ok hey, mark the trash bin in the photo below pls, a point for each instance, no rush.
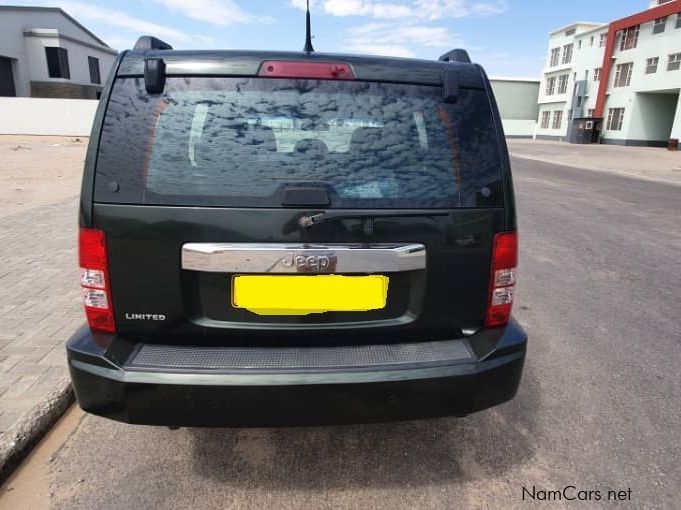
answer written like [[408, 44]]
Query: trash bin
[[673, 144]]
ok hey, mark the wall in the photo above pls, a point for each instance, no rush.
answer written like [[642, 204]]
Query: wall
[[676, 128], [550, 132], [651, 117], [588, 57], [647, 117], [517, 102], [64, 90], [78, 59], [649, 45], [517, 99], [36, 116], [73, 117], [12, 46], [517, 128]]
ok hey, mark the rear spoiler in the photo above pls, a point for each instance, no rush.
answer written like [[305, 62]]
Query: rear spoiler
[[154, 59], [148, 42], [456, 55]]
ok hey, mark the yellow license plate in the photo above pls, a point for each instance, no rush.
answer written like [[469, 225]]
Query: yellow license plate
[[302, 295]]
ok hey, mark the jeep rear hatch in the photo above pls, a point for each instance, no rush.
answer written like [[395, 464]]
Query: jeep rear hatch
[[213, 180]]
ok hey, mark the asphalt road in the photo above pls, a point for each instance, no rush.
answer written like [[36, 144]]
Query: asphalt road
[[599, 407]]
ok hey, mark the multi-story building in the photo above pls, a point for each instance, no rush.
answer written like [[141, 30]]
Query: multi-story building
[[44, 52], [615, 83]]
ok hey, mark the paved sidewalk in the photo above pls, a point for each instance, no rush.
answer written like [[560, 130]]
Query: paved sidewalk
[[40, 302], [654, 164]]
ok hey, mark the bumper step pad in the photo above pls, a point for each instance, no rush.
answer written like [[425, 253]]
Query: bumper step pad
[[297, 358]]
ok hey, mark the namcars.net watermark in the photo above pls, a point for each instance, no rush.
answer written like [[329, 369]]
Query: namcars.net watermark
[[572, 493]]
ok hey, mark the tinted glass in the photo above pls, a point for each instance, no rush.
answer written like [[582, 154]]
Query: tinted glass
[[93, 64], [57, 62], [243, 141]]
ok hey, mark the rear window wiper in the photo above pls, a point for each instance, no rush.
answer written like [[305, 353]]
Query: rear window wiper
[[315, 219]]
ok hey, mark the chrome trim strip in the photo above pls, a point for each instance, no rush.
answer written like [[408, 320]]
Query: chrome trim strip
[[302, 258], [248, 378]]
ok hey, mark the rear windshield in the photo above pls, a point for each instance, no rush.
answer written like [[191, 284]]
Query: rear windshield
[[244, 141]]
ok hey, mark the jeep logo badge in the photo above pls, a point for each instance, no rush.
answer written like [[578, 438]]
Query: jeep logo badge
[[309, 263]]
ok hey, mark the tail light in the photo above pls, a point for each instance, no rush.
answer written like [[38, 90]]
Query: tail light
[[502, 279], [94, 279]]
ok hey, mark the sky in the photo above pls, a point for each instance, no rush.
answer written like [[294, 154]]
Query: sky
[[508, 37]]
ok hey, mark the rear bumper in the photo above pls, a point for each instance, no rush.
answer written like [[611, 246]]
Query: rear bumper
[[456, 377]]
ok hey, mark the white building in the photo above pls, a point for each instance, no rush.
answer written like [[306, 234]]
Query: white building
[[615, 83], [44, 52]]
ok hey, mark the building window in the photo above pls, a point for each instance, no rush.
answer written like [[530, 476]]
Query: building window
[[550, 85], [674, 62], [579, 44], [590, 113], [591, 41], [623, 75], [93, 63], [678, 20], [586, 75], [603, 40], [562, 83], [615, 118], [567, 53], [651, 65], [555, 57], [629, 38], [597, 73], [659, 25], [545, 118], [557, 119], [570, 114], [57, 62]]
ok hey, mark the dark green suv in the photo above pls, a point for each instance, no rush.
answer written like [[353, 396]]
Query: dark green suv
[[295, 238]]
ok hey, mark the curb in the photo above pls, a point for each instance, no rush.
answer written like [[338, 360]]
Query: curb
[[16, 442]]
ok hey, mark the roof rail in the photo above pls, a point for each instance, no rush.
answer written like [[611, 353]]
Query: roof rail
[[456, 55], [147, 42]]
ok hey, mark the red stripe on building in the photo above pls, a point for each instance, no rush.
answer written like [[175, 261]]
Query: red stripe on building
[[622, 24]]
